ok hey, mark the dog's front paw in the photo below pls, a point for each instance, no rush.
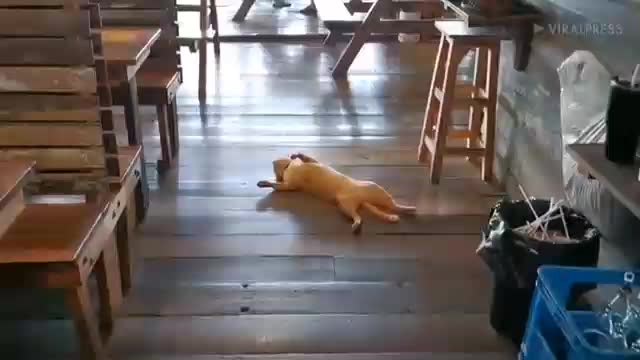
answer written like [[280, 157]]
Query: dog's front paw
[[264, 184]]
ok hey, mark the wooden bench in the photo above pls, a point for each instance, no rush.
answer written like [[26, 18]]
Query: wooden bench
[[13, 175], [161, 75], [55, 110]]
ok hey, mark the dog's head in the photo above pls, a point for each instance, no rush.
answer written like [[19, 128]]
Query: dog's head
[[279, 167]]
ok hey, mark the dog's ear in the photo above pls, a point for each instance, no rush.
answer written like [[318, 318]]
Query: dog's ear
[[279, 166]]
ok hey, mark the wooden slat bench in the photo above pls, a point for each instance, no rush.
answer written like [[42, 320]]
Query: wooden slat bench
[[55, 110], [161, 75]]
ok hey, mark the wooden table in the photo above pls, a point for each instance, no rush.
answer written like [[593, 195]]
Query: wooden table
[[125, 50], [520, 24], [620, 180], [13, 175]]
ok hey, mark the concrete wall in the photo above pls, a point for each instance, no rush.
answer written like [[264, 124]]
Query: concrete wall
[[528, 140]]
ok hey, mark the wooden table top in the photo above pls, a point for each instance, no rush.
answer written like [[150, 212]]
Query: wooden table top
[[12, 176], [128, 45], [621, 180]]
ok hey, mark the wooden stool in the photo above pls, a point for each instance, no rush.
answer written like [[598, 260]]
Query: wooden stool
[[479, 97]]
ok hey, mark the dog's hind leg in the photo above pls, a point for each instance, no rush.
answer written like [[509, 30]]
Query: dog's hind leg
[[381, 214], [379, 197], [349, 207]]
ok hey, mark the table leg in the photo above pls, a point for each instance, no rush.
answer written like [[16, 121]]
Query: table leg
[[134, 132], [359, 38], [522, 37], [244, 8]]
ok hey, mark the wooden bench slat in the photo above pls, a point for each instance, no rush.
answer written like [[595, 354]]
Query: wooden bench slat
[[46, 52], [24, 135], [135, 4], [41, 3], [47, 79], [333, 12], [112, 17], [59, 159], [20, 22], [32, 107], [60, 235]]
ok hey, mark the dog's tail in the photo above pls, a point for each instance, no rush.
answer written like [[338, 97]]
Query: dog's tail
[[404, 209]]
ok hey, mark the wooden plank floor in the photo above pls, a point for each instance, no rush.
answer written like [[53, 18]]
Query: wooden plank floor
[[230, 271]]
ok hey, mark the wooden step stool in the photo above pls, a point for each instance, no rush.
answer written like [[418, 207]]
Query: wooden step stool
[[479, 97]]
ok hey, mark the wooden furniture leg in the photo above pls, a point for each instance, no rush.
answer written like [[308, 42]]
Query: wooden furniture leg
[[433, 103], [109, 285], [213, 20], [202, 71], [79, 302], [243, 10], [359, 38], [134, 132], [489, 133], [522, 37], [173, 127], [476, 114], [166, 146], [454, 57], [126, 255]]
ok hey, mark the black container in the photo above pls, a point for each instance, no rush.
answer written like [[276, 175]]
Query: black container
[[514, 260], [623, 122]]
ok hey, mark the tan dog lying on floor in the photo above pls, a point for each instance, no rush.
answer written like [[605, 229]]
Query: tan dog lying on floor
[[302, 173]]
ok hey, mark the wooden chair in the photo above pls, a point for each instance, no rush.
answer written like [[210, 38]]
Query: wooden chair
[[55, 111], [209, 32], [161, 75], [479, 97]]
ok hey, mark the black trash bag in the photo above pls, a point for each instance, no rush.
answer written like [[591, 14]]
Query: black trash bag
[[514, 259]]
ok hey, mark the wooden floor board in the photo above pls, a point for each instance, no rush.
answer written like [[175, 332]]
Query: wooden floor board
[[231, 271], [469, 297], [246, 222], [305, 334], [203, 271], [444, 248]]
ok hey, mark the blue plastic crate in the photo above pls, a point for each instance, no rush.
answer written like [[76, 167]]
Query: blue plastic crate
[[555, 333]]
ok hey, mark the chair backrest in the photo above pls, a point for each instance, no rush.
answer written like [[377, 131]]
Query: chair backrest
[[55, 102], [165, 53]]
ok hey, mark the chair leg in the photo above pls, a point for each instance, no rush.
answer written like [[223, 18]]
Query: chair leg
[[79, 303], [430, 111], [125, 230], [214, 25], [109, 285], [490, 121], [202, 71], [174, 129], [454, 57], [475, 113], [165, 138]]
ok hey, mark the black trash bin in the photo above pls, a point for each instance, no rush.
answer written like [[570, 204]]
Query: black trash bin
[[514, 259]]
